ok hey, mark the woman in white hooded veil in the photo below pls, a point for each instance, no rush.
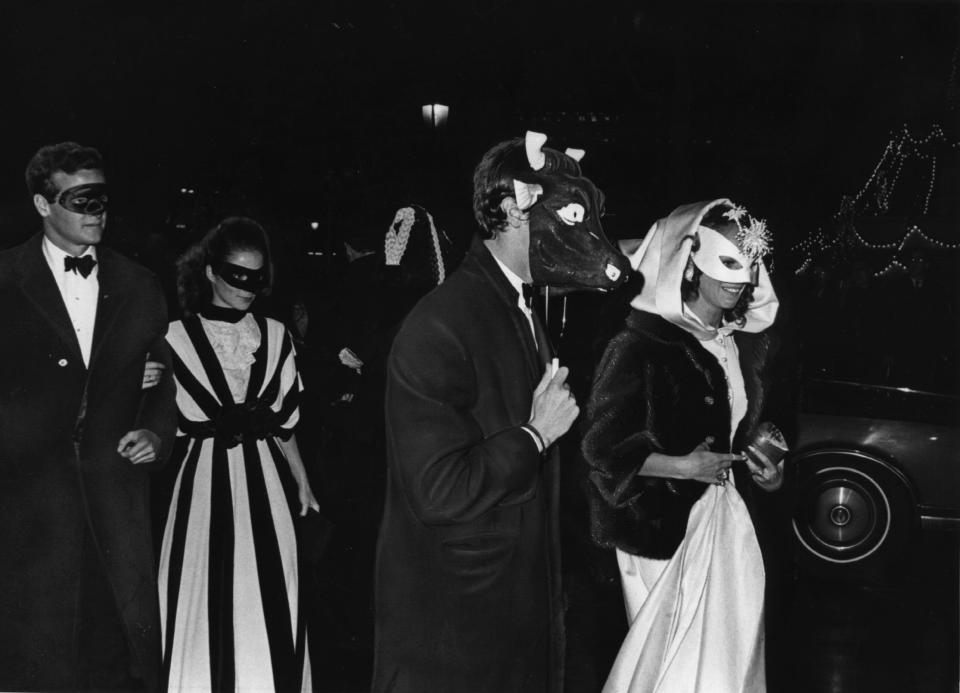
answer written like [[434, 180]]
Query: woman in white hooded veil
[[673, 415]]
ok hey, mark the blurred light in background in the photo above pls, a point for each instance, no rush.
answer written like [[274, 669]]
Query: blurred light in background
[[435, 114]]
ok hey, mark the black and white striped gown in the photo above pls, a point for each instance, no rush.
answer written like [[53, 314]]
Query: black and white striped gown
[[229, 593]]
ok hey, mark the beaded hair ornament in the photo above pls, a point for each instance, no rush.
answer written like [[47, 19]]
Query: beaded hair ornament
[[398, 235], [754, 238]]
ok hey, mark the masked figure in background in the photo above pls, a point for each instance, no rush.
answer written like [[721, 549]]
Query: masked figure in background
[[229, 576], [378, 296], [467, 583], [680, 388], [412, 264], [402, 263]]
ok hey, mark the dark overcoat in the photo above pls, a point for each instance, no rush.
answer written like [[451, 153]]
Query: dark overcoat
[[467, 583], [658, 390], [60, 473]]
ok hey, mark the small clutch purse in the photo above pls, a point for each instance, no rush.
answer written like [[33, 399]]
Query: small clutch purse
[[770, 441]]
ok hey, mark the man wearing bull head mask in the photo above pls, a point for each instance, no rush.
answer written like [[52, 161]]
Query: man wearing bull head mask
[[467, 583]]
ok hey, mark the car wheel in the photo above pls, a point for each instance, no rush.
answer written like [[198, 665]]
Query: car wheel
[[854, 513]]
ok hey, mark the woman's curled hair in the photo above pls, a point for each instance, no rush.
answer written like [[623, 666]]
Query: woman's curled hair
[[232, 235]]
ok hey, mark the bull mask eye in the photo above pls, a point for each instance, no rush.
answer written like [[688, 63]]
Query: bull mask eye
[[571, 214], [730, 263]]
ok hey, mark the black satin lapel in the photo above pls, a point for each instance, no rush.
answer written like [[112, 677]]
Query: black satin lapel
[[522, 325], [109, 303], [41, 289], [545, 350]]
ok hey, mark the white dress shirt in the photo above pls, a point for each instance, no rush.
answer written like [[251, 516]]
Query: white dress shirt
[[517, 283], [79, 294]]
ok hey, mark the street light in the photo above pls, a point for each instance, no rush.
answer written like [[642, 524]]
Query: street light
[[435, 114], [314, 225]]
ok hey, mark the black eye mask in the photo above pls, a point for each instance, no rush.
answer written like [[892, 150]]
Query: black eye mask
[[243, 278], [85, 199]]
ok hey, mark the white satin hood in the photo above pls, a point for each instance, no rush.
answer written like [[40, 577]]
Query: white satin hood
[[662, 258]]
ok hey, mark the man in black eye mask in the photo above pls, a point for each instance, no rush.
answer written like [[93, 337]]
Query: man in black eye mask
[[78, 599]]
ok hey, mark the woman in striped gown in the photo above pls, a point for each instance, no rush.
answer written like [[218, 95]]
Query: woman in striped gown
[[229, 595]]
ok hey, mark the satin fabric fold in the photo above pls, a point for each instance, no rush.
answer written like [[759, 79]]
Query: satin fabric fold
[[697, 626]]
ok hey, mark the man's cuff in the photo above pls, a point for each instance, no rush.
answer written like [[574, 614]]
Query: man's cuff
[[537, 438]]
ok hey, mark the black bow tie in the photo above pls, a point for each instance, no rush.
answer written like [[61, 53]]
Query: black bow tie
[[528, 293], [81, 265]]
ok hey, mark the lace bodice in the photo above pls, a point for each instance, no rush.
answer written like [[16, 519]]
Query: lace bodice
[[234, 345]]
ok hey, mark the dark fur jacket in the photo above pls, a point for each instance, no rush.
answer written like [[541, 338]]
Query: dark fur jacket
[[658, 390]]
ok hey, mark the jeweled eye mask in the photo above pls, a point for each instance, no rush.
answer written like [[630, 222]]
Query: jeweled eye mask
[[721, 259]]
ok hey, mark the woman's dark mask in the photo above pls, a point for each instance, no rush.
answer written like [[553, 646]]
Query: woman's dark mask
[[243, 278]]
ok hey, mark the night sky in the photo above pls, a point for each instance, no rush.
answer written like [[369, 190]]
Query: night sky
[[300, 110]]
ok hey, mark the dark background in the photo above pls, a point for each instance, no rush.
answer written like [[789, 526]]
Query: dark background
[[297, 111]]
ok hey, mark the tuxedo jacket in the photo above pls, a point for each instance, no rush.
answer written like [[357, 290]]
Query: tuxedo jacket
[[60, 472], [467, 576]]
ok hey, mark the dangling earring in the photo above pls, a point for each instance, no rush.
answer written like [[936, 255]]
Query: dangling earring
[[688, 272]]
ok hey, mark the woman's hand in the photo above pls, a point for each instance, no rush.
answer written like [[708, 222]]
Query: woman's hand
[[766, 475], [304, 493], [708, 467], [306, 498]]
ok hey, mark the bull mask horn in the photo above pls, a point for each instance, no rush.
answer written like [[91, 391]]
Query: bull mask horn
[[534, 144], [575, 154]]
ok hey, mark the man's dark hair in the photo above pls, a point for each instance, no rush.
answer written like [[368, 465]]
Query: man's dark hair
[[493, 181], [68, 157]]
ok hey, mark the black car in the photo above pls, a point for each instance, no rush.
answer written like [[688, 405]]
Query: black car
[[872, 465]]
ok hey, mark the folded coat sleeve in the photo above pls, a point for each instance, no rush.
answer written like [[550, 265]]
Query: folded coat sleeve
[[450, 469], [620, 428], [158, 407]]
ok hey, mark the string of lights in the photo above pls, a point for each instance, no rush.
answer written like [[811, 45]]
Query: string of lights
[[819, 242], [894, 266], [902, 146], [933, 177], [875, 195]]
